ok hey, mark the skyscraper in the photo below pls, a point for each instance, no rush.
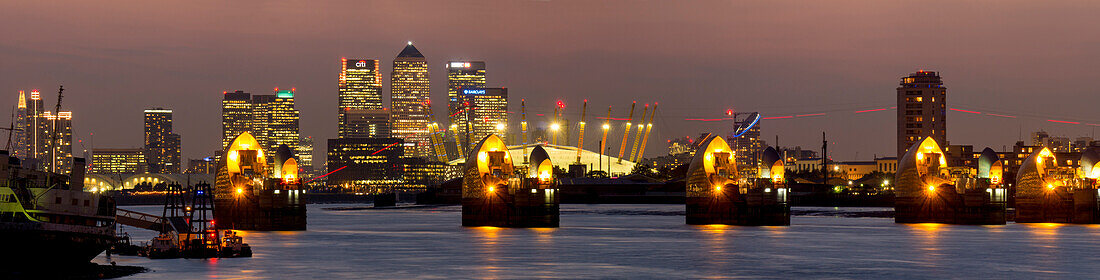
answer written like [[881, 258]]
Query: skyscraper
[[236, 115], [272, 120], [47, 137], [282, 123], [922, 109], [462, 75], [360, 88], [162, 147], [409, 101], [363, 123], [59, 141], [261, 120], [19, 137], [488, 113], [305, 156], [35, 133]]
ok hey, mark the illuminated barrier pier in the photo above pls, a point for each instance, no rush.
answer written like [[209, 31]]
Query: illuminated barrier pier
[[494, 195], [248, 197], [1049, 193], [716, 194], [929, 191]]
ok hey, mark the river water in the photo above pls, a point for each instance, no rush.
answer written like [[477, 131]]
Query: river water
[[639, 241]]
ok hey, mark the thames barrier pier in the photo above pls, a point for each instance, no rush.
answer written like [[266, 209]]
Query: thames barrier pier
[[250, 195], [929, 191], [1047, 192], [494, 194], [717, 193]]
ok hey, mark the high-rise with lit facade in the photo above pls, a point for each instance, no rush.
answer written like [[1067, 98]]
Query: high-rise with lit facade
[[360, 89], [488, 113], [305, 156], [59, 142], [47, 136], [748, 147], [922, 109], [361, 123], [35, 133], [19, 137], [162, 147], [118, 161], [409, 93], [271, 119], [462, 75], [282, 123], [261, 120], [366, 164], [236, 115]]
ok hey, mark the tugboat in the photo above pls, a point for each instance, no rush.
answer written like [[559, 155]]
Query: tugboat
[[164, 246], [46, 219], [124, 246], [233, 246]]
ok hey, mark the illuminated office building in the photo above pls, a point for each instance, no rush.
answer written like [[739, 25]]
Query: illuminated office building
[[118, 161], [58, 157], [922, 109], [270, 119], [35, 134], [162, 147], [201, 166], [489, 114], [361, 123], [19, 137], [360, 89], [409, 101], [47, 137], [305, 156], [282, 123], [462, 75], [261, 120], [236, 115], [369, 165]]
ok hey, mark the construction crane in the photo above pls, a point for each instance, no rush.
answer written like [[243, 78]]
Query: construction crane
[[523, 126], [638, 137], [626, 132], [648, 128], [580, 138], [436, 134]]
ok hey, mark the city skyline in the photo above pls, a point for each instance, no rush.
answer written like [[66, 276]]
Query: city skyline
[[768, 70]]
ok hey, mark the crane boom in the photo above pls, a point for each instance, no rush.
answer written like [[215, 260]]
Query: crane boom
[[648, 128], [580, 138], [436, 135], [523, 127], [626, 132], [638, 137], [606, 128]]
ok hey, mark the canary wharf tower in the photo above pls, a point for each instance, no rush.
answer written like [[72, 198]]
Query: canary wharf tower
[[409, 100], [360, 89]]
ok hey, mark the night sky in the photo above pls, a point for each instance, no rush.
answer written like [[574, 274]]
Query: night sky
[[1035, 60]]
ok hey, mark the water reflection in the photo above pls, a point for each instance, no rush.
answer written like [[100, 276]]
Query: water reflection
[[487, 240], [614, 241], [928, 237]]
